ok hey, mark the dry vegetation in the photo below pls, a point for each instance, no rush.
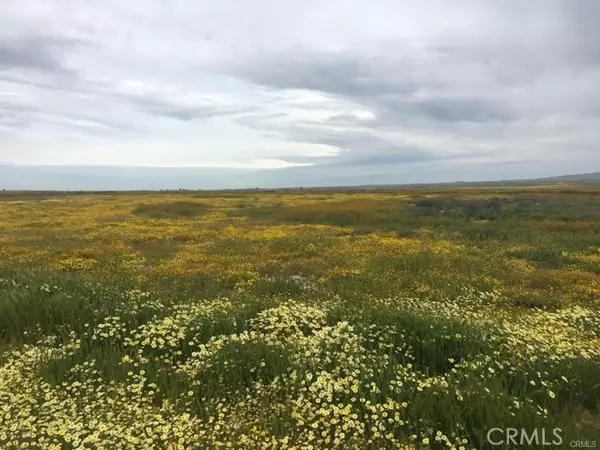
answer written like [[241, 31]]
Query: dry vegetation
[[299, 319]]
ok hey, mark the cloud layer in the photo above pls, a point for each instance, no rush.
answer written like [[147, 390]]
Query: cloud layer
[[366, 89]]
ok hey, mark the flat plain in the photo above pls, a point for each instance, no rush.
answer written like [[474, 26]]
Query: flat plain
[[299, 319]]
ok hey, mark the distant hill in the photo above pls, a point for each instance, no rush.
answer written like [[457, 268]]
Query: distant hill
[[580, 177], [593, 177], [108, 178], [573, 178]]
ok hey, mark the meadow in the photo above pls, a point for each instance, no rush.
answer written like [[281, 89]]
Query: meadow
[[299, 319]]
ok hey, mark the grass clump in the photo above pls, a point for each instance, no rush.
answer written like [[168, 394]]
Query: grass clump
[[174, 210]]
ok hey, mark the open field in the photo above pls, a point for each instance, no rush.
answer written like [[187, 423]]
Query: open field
[[306, 319]]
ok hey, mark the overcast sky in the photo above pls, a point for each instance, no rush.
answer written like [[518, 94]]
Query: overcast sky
[[304, 92]]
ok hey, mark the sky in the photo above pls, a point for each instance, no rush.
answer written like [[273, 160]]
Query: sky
[[181, 93]]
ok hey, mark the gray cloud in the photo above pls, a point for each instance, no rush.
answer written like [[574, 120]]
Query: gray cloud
[[14, 117], [429, 84], [580, 32], [358, 143], [152, 103], [37, 52], [23, 115], [495, 92], [39, 61], [338, 73], [28, 53], [446, 109]]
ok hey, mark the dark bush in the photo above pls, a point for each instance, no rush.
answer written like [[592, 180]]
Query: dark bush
[[181, 209]]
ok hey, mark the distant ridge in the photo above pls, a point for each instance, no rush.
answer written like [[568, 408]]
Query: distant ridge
[[104, 178], [573, 178], [593, 177], [581, 177]]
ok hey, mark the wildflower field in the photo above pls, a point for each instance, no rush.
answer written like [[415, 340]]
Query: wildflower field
[[299, 319]]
